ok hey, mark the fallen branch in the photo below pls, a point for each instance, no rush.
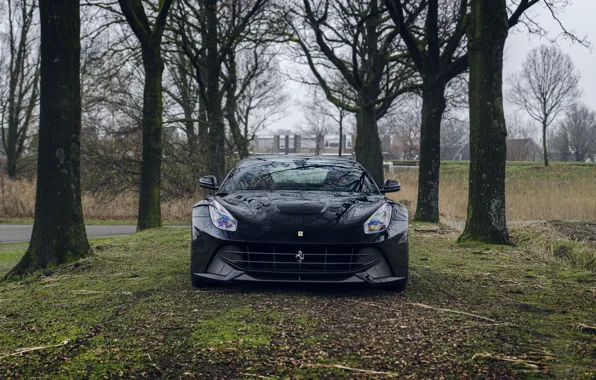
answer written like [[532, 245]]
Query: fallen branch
[[25, 350], [339, 366], [586, 328], [452, 311], [528, 363]]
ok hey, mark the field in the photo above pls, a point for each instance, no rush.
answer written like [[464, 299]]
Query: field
[[471, 311], [563, 191]]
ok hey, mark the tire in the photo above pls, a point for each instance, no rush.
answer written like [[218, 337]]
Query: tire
[[399, 286], [196, 281]]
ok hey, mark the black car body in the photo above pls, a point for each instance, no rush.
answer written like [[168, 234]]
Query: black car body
[[299, 219]]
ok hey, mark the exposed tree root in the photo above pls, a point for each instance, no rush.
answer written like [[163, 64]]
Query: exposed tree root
[[22, 351]]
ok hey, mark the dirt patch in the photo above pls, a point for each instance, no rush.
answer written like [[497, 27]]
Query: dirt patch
[[584, 232]]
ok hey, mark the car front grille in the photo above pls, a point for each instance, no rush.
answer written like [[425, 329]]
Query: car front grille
[[294, 258]]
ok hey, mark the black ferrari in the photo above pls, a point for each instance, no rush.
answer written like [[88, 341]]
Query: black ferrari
[[299, 219]]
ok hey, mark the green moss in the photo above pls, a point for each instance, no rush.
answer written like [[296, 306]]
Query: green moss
[[236, 326]]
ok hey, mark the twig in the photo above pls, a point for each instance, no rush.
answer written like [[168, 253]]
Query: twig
[[527, 363], [339, 366], [255, 375], [25, 350], [452, 311]]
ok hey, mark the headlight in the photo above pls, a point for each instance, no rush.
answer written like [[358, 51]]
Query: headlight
[[379, 221], [221, 218]]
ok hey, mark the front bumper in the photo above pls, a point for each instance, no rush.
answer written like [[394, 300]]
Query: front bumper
[[220, 270], [223, 260]]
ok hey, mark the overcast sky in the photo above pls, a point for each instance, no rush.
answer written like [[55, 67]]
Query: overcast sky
[[578, 17]]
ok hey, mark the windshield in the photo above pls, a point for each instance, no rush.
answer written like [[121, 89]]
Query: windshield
[[305, 174]]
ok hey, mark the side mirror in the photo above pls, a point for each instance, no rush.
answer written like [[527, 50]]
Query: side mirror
[[208, 182], [390, 186]]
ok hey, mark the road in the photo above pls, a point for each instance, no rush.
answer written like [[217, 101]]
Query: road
[[13, 233]]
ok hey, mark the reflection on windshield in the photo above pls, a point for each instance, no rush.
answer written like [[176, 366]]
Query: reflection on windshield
[[299, 175]]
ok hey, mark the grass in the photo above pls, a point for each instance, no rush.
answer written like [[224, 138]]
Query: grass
[[130, 311], [563, 191], [17, 205]]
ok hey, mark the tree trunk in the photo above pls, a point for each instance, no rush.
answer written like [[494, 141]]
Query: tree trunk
[[488, 30], [11, 159], [544, 146], [149, 194], [58, 231], [203, 134], [433, 106], [368, 145], [341, 130], [216, 157], [239, 140]]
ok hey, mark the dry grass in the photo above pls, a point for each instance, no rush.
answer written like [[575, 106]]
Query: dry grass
[[17, 200], [562, 192]]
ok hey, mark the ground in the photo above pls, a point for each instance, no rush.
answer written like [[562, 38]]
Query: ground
[[471, 311]]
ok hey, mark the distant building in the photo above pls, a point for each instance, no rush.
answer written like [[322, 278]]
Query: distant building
[[297, 144], [517, 150]]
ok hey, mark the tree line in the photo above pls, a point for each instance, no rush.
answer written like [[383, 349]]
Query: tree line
[[220, 55]]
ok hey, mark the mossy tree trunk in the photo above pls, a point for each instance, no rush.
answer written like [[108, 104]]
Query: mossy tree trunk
[[150, 40], [487, 33], [149, 215], [368, 144], [58, 231], [240, 140], [216, 157], [433, 106]]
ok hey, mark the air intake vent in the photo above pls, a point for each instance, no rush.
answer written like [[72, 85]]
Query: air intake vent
[[294, 258]]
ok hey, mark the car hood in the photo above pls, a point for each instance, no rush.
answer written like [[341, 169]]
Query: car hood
[[300, 207]]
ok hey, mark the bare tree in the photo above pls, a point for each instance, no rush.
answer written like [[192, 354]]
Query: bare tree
[[58, 231], [578, 130], [150, 39], [403, 122], [317, 123], [254, 96], [20, 81], [454, 135], [351, 51], [434, 33], [518, 127], [545, 87], [262, 102], [210, 36], [559, 144]]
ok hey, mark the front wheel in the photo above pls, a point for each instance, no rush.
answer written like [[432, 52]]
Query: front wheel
[[398, 286], [196, 281]]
